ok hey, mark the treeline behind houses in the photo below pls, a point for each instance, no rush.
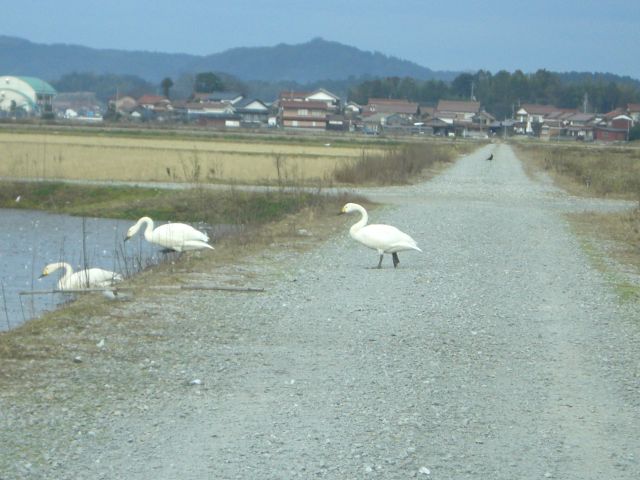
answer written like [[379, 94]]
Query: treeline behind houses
[[502, 92]]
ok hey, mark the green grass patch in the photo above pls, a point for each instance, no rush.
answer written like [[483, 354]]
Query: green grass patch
[[628, 292], [230, 206]]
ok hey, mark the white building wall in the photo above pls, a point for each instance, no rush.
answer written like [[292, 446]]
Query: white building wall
[[19, 91]]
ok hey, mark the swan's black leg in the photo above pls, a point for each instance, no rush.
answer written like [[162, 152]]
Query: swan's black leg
[[396, 260], [380, 262]]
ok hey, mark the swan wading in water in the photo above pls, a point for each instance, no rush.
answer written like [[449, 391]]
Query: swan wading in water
[[172, 236], [383, 238], [89, 278]]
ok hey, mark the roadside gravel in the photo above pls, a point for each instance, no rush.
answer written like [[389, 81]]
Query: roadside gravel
[[498, 353]]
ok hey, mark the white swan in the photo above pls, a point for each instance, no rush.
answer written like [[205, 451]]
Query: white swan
[[172, 236], [89, 278], [383, 238]]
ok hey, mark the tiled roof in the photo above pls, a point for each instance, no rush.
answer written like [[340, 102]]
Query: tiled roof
[[290, 95], [458, 106], [151, 99], [536, 109], [298, 104], [425, 110], [633, 107], [581, 117], [387, 105], [243, 104], [614, 113]]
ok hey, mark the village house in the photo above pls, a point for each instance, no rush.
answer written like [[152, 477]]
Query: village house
[[614, 127], [156, 103], [320, 95], [218, 97], [317, 110], [460, 118], [215, 114], [253, 113], [460, 110], [410, 110], [530, 115], [633, 110], [579, 126], [123, 105], [390, 114], [309, 115]]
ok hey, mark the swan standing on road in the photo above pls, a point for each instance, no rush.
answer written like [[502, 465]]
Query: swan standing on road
[[172, 236], [89, 278], [383, 238]]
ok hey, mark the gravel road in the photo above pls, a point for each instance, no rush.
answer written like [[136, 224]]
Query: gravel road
[[498, 353]]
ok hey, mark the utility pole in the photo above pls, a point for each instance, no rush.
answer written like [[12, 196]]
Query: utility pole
[[585, 102]]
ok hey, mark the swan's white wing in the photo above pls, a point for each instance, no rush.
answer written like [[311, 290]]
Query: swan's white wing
[[103, 278], [90, 278], [195, 245], [178, 235], [385, 238]]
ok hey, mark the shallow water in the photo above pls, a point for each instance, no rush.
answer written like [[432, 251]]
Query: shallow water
[[29, 240]]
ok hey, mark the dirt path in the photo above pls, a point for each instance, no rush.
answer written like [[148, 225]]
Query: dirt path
[[499, 353]]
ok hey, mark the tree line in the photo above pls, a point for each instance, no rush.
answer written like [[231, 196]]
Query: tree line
[[501, 93]]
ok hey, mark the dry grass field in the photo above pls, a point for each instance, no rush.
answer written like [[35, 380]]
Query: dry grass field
[[49, 155], [585, 169], [597, 171]]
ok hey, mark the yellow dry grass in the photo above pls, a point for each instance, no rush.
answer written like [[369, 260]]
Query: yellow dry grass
[[51, 156]]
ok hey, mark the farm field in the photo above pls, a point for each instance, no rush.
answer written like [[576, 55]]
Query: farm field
[[49, 155]]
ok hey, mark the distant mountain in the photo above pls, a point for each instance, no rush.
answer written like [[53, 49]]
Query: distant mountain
[[315, 60], [50, 62]]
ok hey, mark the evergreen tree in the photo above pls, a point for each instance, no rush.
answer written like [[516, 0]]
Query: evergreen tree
[[166, 85]]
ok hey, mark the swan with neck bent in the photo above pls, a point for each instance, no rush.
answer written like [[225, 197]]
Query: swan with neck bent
[[89, 278], [383, 238], [172, 236]]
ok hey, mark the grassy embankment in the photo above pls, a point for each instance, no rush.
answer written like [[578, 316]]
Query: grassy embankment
[[400, 164], [266, 216], [606, 172]]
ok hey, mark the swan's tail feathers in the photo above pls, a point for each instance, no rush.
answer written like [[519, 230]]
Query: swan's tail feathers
[[195, 245], [398, 247]]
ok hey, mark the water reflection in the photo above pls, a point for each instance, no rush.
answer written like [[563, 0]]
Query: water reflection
[[30, 239]]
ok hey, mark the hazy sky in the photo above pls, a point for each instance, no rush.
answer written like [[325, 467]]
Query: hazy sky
[[559, 35]]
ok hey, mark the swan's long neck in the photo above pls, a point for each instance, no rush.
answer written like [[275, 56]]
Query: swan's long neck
[[149, 229], [362, 222], [68, 270]]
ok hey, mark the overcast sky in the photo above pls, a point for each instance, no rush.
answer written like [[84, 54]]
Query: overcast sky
[[559, 35]]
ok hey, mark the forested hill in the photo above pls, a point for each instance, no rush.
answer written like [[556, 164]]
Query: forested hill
[[50, 62], [315, 60]]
